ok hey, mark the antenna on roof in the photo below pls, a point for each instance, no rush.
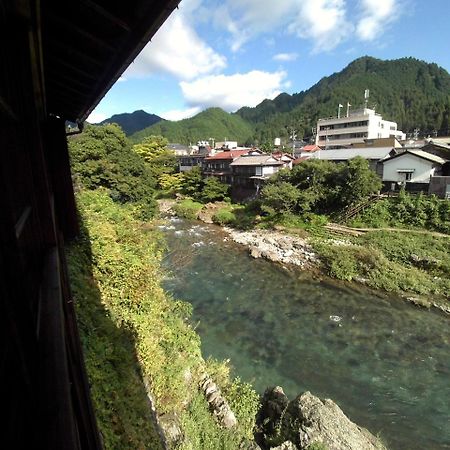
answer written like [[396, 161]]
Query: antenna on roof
[[366, 97]]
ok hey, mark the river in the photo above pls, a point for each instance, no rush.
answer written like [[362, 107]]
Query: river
[[385, 362]]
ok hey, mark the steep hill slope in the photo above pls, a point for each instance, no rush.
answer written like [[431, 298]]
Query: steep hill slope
[[211, 123], [133, 122], [411, 92]]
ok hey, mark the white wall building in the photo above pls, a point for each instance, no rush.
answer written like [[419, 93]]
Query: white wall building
[[411, 166], [359, 125]]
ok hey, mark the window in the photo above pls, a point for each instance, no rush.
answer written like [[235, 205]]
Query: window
[[408, 176]]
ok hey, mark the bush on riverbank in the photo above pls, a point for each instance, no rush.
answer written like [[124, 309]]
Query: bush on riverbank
[[391, 261], [406, 210], [133, 332], [224, 216], [187, 208]]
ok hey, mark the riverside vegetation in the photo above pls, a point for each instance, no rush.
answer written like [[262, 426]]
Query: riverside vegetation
[[414, 262], [136, 338], [138, 341]]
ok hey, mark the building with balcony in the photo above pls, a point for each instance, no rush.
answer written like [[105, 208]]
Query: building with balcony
[[356, 127]]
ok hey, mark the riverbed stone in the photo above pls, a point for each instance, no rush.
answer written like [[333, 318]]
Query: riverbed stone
[[276, 246], [306, 420]]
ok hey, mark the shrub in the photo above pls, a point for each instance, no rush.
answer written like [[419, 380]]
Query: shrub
[[188, 208], [224, 216]]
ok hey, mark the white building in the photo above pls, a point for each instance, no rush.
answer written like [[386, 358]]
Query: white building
[[411, 166], [359, 125]]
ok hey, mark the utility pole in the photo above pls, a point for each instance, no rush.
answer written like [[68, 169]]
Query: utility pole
[[293, 136]]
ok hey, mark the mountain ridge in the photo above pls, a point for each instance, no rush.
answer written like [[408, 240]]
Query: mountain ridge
[[133, 122], [411, 92]]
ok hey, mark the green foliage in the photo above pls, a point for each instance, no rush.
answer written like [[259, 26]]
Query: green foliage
[[391, 261], [101, 157], [319, 186], [171, 183], [187, 208], [213, 122], [160, 160], [406, 210], [317, 446], [131, 331], [203, 189], [192, 182], [280, 197], [214, 190], [224, 216]]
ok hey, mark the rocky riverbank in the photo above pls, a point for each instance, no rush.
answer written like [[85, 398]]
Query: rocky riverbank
[[308, 422], [276, 246]]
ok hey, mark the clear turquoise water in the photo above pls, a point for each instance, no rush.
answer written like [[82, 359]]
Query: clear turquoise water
[[385, 362]]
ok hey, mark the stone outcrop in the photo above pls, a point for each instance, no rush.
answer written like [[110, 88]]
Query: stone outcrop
[[217, 403], [308, 420], [276, 246]]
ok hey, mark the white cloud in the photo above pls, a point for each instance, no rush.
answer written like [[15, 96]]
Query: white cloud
[[96, 117], [322, 21], [376, 14], [230, 92], [179, 114], [285, 57], [178, 50]]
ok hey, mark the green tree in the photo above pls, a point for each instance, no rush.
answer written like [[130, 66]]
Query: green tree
[[214, 190], [193, 182], [159, 158], [101, 156], [358, 182], [280, 197]]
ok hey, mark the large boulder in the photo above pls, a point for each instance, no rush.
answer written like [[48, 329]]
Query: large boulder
[[308, 420]]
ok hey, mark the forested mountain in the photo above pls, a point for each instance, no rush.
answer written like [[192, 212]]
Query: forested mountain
[[211, 123], [412, 93], [132, 122]]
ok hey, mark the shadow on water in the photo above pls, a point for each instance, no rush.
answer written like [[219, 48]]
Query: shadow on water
[[121, 404], [385, 362]]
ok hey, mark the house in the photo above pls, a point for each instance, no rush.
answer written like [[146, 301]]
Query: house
[[412, 169], [354, 128], [218, 165], [179, 149], [372, 155], [187, 163], [251, 170]]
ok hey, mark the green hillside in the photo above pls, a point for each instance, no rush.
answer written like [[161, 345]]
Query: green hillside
[[212, 123], [132, 122], [410, 92]]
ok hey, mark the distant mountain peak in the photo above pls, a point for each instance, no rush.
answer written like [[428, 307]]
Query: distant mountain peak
[[133, 122]]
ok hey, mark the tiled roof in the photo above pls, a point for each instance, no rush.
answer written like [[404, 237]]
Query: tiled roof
[[349, 153], [260, 160], [420, 154], [232, 154], [310, 148]]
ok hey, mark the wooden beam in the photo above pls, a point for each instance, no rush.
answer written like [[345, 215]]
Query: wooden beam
[[72, 51], [67, 64], [106, 14], [69, 25]]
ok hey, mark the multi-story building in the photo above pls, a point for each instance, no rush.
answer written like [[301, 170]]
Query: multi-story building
[[358, 125]]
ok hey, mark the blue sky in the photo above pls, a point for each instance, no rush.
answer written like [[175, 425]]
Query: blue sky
[[233, 53]]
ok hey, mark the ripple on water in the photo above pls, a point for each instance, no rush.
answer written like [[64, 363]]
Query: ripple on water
[[387, 365]]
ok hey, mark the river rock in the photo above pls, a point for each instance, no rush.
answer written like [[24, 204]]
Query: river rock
[[307, 420], [276, 246]]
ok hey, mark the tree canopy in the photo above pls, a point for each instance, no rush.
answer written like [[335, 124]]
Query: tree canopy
[[101, 156], [320, 186]]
